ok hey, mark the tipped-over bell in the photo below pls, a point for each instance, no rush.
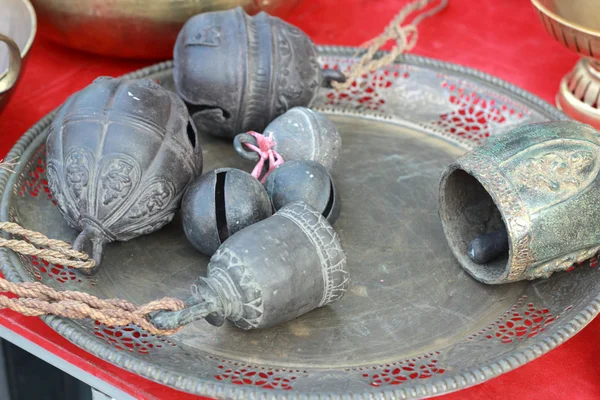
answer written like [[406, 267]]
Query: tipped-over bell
[[269, 273], [120, 155], [536, 187], [237, 72], [299, 134]]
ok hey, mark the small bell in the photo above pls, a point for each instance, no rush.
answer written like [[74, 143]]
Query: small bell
[[299, 134], [237, 72], [306, 181], [524, 204], [120, 155], [219, 204], [268, 273]]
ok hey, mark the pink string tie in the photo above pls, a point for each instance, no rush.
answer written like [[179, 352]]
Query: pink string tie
[[266, 153]]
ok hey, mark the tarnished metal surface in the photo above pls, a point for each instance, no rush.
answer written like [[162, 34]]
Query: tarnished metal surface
[[120, 154], [413, 323], [539, 183]]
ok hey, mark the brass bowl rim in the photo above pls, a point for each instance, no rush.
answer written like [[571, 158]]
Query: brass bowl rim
[[540, 7], [32, 33]]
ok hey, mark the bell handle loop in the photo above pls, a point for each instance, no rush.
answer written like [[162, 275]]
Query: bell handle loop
[[332, 75], [84, 238], [238, 145], [169, 320]]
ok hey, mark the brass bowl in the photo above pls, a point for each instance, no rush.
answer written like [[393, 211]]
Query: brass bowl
[[576, 24], [17, 30], [133, 28]]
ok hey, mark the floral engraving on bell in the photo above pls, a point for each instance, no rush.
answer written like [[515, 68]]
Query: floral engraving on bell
[[155, 198], [120, 154], [554, 171], [78, 172], [118, 178]]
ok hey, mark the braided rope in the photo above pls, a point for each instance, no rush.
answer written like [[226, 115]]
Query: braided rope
[[37, 299], [55, 251], [405, 37]]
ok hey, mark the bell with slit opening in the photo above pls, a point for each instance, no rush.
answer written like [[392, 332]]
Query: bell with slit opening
[[268, 273], [238, 72], [120, 155], [524, 204], [221, 203], [306, 181], [299, 134]]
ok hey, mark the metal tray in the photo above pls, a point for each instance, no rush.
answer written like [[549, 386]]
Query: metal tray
[[413, 323]]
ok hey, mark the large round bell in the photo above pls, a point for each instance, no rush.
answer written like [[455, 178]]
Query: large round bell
[[306, 181], [120, 155], [221, 203], [237, 72]]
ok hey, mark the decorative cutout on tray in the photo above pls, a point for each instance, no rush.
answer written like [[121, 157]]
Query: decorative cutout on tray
[[450, 106], [39, 269], [33, 181], [367, 93], [265, 377], [473, 117], [522, 321], [131, 338], [397, 373]]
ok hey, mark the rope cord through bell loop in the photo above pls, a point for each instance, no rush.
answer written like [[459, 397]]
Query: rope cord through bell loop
[[37, 299], [405, 38]]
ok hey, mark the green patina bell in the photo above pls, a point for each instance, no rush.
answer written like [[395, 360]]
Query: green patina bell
[[537, 189]]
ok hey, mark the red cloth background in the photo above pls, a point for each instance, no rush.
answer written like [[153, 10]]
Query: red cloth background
[[503, 38]]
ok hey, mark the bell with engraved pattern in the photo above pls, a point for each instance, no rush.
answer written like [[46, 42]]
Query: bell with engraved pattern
[[120, 154], [268, 273], [524, 204], [238, 72]]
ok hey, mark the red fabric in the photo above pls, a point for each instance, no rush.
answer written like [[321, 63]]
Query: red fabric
[[503, 38]]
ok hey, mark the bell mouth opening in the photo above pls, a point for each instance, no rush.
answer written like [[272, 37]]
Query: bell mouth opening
[[470, 215]]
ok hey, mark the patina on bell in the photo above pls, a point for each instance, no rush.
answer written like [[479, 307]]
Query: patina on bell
[[221, 203], [299, 134], [237, 72], [120, 154], [306, 181], [269, 273], [537, 188]]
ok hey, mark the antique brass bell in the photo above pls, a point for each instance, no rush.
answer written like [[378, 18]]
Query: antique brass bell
[[299, 134], [120, 155], [237, 72], [221, 203], [535, 188], [268, 273]]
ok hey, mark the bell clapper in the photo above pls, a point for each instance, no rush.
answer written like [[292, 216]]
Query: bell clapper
[[488, 247]]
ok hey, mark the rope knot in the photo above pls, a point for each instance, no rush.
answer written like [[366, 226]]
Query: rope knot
[[265, 149]]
